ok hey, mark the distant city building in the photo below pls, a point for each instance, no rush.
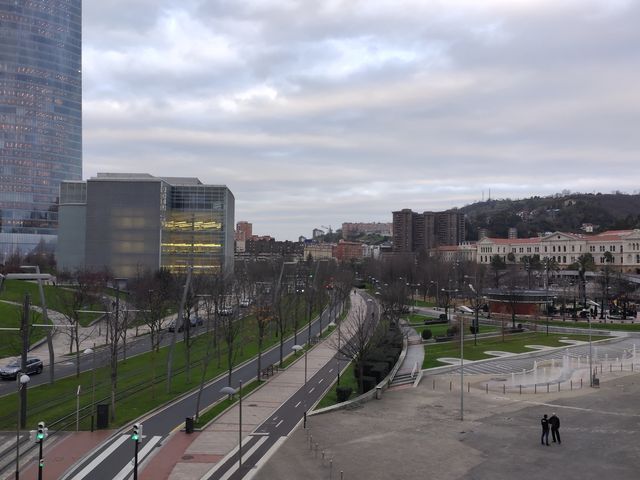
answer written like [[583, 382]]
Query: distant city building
[[319, 251], [416, 232], [40, 117], [512, 233], [129, 223], [566, 248], [353, 230], [268, 246], [317, 233], [348, 251], [244, 230]]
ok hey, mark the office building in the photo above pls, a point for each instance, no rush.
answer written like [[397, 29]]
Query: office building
[[40, 117], [129, 223]]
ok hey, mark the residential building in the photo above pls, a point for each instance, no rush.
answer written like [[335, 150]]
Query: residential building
[[416, 232], [129, 223], [244, 230], [319, 251], [348, 251], [353, 230], [40, 117]]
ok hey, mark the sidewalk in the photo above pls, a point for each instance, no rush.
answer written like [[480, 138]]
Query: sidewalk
[[185, 457]]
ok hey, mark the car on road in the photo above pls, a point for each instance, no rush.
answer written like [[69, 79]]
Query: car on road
[[11, 371], [193, 322]]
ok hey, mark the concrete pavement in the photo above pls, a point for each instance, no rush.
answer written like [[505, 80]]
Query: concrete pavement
[[417, 433]]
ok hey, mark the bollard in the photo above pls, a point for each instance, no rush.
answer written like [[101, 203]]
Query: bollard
[[632, 366], [330, 469], [322, 457], [311, 442], [581, 383], [487, 387], [468, 387], [520, 389], [610, 368], [341, 475], [571, 384], [547, 387], [316, 455], [434, 384], [535, 388], [558, 386], [504, 388], [450, 385]]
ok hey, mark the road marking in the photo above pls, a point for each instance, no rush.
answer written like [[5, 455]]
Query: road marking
[[258, 434], [312, 389], [124, 473], [275, 418], [265, 458], [298, 404], [100, 458], [279, 423], [321, 380], [330, 370], [250, 452], [233, 452]]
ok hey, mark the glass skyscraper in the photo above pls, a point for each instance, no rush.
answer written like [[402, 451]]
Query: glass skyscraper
[[40, 116]]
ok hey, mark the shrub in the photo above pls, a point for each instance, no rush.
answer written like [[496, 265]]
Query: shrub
[[427, 334], [343, 393]]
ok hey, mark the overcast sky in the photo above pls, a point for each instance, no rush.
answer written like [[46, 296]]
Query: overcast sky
[[322, 112]]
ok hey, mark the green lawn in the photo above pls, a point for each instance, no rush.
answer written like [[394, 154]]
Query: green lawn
[[419, 318], [441, 329], [626, 326], [348, 379], [514, 343], [56, 297], [137, 393], [10, 316], [422, 303]]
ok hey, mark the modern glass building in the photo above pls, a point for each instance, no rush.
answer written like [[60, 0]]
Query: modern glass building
[[40, 116], [130, 223]]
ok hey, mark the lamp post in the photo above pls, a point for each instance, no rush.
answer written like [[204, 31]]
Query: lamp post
[[590, 361], [22, 381], [297, 348], [231, 391], [476, 308], [92, 351]]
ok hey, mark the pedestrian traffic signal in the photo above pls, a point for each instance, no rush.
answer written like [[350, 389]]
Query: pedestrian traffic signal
[[41, 434], [136, 432]]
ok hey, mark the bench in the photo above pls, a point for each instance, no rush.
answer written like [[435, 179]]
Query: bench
[[267, 371]]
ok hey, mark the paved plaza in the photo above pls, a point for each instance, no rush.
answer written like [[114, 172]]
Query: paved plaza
[[417, 433]]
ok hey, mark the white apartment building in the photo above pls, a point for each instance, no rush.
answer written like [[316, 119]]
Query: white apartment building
[[564, 248]]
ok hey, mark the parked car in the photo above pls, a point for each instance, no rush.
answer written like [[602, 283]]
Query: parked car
[[226, 311], [244, 303], [11, 371]]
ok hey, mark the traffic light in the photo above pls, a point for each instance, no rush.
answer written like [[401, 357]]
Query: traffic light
[[136, 432], [41, 434]]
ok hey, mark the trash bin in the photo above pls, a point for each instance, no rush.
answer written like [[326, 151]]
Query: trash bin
[[596, 382], [188, 425], [102, 412]]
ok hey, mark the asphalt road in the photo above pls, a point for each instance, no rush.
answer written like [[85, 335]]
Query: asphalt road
[[112, 460]]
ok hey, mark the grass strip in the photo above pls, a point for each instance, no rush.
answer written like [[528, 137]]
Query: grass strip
[[514, 343], [347, 379]]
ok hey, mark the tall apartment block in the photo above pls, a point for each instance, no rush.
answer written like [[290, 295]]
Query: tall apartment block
[[415, 232], [244, 231], [40, 117], [129, 223]]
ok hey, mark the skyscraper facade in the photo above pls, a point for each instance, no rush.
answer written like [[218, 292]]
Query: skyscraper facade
[[40, 117], [416, 232]]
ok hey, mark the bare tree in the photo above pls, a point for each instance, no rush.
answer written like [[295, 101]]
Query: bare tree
[[72, 301], [357, 339]]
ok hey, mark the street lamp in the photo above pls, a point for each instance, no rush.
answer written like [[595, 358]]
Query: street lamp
[[92, 351], [22, 383], [477, 308], [231, 391], [297, 348]]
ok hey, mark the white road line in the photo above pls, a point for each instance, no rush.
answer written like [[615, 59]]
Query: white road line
[[279, 423], [298, 404], [275, 418], [321, 380], [100, 458], [330, 370], [124, 473], [265, 458], [234, 468], [312, 389]]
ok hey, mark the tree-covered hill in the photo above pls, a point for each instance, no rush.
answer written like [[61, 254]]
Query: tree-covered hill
[[567, 212]]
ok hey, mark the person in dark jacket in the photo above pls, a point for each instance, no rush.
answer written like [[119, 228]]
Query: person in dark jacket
[[545, 430], [554, 422]]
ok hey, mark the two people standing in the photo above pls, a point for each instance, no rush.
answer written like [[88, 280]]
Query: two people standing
[[552, 423]]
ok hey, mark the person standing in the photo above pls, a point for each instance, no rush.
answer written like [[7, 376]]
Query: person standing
[[545, 430], [554, 421]]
